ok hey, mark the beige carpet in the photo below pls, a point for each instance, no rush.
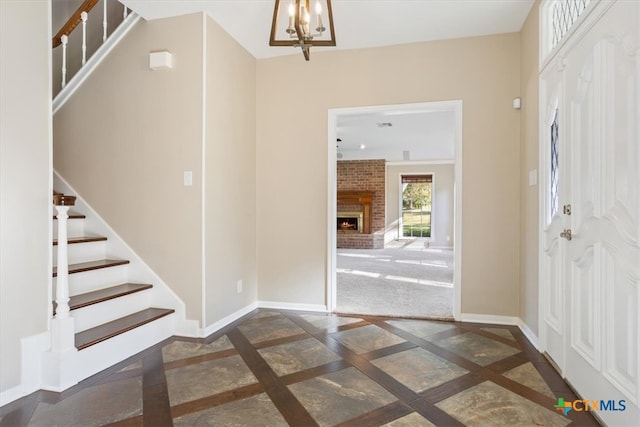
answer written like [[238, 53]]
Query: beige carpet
[[406, 279]]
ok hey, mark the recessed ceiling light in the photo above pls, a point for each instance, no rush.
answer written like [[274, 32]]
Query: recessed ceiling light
[[384, 124], [362, 146]]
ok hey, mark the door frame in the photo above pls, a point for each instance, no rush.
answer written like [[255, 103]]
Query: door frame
[[454, 106]]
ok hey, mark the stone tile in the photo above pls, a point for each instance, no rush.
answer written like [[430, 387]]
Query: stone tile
[[367, 338], [477, 348], [97, 405], [328, 322], [488, 404], [297, 356], [253, 411], [340, 396], [419, 369], [412, 420], [269, 329], [207, 378], [422, 328], [505, 333], [529, 376], [261, 314], [184, 349]]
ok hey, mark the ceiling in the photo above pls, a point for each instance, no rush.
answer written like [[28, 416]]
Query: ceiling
[[362, 24], [398, 133]]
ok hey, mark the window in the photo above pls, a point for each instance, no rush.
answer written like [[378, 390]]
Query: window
[[558, 17], [416, 205], [554, 166]]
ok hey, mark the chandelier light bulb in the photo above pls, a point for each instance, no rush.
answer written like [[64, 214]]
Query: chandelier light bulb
[[292, 11], [319, 27]]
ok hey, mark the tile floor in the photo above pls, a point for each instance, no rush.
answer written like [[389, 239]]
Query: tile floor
[[278, 368]]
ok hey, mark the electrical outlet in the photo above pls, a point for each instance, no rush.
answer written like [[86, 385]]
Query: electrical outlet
[[448, 238], [239, 286]]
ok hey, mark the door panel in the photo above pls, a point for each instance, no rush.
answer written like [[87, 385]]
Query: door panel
[[585, 308], [599, 267], [622, 346], [553, 179]]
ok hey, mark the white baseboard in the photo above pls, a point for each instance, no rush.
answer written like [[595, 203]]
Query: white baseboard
[[293, 306], [503, 320], [216, 326], [489, 318], [31, 350], [528, 333], [14, 393]]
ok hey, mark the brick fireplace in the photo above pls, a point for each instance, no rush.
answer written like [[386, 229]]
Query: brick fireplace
[[361, 218]]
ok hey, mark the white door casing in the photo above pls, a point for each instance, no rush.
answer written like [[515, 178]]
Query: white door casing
[[592, 328], [553, 218]]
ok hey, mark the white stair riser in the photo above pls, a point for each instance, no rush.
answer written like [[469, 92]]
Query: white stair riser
[[100, 356], [75, 227], [82, 252], [97, 314], [87, 281]]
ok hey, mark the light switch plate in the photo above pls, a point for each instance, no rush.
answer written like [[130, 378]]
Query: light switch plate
[[533, 177], [188, 178]]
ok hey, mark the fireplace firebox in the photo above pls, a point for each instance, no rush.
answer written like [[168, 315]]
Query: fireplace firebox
[[350, 222]]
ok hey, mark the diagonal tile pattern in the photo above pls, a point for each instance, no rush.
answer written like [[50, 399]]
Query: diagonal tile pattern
[[477, 348], [485, 403], [278, 368], [296, 356], [367, 338], [207, 378], [419, 369], [340, 396]]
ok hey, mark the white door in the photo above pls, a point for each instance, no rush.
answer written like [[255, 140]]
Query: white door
[[555, 153], [593, 331]]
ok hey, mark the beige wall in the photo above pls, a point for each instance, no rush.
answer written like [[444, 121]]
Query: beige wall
[[124, 140], [293, 97], [230, 175], [529, 161], [442, 206], [25, 179]]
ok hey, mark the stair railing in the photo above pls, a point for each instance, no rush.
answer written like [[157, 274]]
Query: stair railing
[[81, 15]]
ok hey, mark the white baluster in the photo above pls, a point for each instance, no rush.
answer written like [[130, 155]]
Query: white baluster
[[64, 40], [104, 20], [125, 13], [84, 16], [62, 281]]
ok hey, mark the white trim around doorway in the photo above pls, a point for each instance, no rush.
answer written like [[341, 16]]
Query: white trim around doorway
[[333, 114]]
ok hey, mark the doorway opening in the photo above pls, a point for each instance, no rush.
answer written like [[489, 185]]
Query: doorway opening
[[407, 232]]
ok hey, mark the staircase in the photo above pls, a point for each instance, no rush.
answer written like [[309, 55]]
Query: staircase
[[117, 306]]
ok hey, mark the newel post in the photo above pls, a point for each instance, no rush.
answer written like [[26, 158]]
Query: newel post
[[63, 331], [60, 362]]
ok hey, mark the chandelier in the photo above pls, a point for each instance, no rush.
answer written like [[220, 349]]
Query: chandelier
[[302, 27]]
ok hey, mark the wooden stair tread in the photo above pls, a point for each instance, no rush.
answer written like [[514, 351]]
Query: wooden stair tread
[[72, 215], [82, 239], [92, 265], [106, 294], [116, 327]]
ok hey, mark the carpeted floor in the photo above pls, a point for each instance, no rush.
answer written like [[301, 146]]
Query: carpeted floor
[[406, 279]]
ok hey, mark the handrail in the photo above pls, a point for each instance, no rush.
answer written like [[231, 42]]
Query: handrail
[[72, 22]]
